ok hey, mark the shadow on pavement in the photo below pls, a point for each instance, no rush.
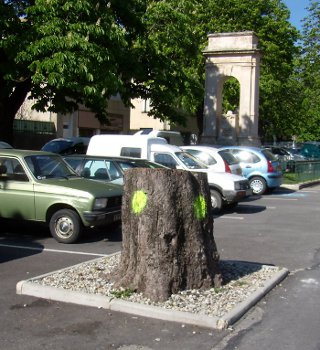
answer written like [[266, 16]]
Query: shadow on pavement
[[112, 233], [16, 242]]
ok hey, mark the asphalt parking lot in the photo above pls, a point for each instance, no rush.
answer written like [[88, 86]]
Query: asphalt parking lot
[[281, 228]]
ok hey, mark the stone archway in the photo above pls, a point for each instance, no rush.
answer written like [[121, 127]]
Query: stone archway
[[232, 55]]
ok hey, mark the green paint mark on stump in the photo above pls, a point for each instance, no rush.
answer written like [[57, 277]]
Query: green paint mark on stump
[[139, 202], [200, 207]]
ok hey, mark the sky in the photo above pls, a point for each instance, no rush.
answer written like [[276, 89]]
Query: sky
[[298, 11]]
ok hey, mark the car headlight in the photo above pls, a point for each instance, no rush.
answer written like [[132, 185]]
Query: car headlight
[[237, 185], [241, 185], [100, 203]]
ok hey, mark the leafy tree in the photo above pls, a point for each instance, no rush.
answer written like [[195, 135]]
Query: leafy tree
[[309, 74], [177, 29], [269, 19], [65, 53]]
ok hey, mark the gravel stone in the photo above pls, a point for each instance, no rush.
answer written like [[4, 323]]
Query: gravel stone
[[241, 279]]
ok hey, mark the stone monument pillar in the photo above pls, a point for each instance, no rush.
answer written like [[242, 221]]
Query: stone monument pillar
[[232, 55]]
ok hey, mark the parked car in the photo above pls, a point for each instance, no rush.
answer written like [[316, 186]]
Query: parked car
[[216, 159], [259, 166], [285, 154], [69, 145], [110, 169], [226, 189], [40, 186], [311, 150], [4, 145]]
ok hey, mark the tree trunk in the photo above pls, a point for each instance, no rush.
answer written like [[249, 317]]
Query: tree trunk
[[9, 106], [167, 230]]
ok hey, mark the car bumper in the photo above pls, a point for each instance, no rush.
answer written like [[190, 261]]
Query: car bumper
[[274, 180], [98, 218], [236, 196]]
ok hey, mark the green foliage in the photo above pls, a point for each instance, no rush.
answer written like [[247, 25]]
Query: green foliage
[[182, 89], [123, 293], [309, 74], [67, 52]]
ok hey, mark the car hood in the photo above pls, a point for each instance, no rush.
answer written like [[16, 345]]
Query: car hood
[[84, 187]]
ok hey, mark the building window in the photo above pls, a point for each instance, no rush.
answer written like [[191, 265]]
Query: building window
[[145, 105]]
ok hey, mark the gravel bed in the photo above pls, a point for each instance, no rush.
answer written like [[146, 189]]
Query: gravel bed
[[241, 279]]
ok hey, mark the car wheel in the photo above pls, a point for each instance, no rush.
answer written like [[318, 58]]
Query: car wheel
[[216, 201], [65, 226], [258, 185]]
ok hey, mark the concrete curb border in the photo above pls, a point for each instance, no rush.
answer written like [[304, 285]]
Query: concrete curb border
[[302, 185], [29, 287]]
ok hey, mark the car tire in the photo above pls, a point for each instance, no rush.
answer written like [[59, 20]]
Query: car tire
[[65, 226], [258, 185], [216, 201]]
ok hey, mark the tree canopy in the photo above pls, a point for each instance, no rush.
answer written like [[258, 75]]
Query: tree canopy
[[67, 52], [308, 75]]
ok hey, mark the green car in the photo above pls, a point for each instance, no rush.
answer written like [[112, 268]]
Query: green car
[[40, 186]]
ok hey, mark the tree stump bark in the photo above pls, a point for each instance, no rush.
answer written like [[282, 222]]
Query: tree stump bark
[[167, 233]]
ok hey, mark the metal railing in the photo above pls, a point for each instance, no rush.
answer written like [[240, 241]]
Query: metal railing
[[302, 170]]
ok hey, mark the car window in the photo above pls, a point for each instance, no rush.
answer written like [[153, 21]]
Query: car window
[[73, 162], [166, 160], [100, 169], [245, 156], [113, 170], [205, 157], [130, 152], [12, 169], [48, 167], [228, 157], [269, 155], [95, 168]]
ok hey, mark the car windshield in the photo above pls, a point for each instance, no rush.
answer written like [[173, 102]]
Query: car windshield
[[204, 157], [66, 146], [48, 167], [58, 146], [189, 161], [124, 164]]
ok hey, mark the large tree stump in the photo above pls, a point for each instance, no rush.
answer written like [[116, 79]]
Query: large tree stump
[[167, 233]]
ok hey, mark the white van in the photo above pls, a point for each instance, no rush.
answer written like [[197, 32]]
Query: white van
[[123, 145], [226, 189], [172, 137]]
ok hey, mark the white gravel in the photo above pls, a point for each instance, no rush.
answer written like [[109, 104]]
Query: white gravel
[[241, 280]]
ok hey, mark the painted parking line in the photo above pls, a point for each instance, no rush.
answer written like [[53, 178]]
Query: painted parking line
[[309, 191], [50, 250], [281, 199], [230, 217]]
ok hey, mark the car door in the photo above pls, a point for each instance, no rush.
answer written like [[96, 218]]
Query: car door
[[17, 198]]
